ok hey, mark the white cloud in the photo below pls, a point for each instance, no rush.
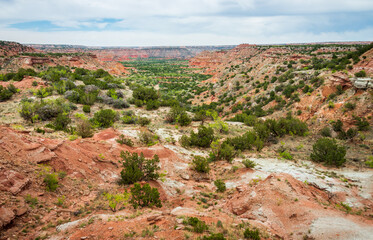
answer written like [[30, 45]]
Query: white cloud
[[185, 22], [116, 38], [26, 10]]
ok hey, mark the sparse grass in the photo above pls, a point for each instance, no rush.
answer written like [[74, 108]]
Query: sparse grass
[[31, 201], [344, 207]]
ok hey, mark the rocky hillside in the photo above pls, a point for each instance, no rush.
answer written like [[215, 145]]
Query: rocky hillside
[[126, 53], [16, 56], [311, 81], [88, 155], [13, 48], [279, 198]]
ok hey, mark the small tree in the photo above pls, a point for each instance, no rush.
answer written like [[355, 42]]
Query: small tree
[[183, 119], [42, 93], [203, 137], [51, 181], [84, 128], [220, 185], [28, 111], [201, 115], [105, 118], [201, 164], [337, 126], [362, 73], [178, 115], [218, 124], [137, 168], [199, 226], [222, 151], [362, 124], [248, 163], [327, 151], [86, 108], [326, 132], [251, 234], [145, 196], [61, 122]]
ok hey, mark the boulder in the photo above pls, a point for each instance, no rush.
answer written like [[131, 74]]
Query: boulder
[[12, 181], [6, 216], [181, 211]]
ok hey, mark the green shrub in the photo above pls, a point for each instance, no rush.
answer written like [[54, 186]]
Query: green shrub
[[184, 141], [337, 126], [362, 73], [326, 132], [31, 201], [145, 93], [123, 140], [42, 93], [331, 104], [51, 181], [289, 125], [148, 138], [362, 124], [223, 151], [47, 111], [327, 151], [351, 133], [244, 142], [12, 88], [61, 122], [137, 168], [200, 164], [117, 200], [138, 103], [178, 115], [262, 131], [39, 130], [203, 137], [252, 234], [248, 163], [220, 185], [152, 104], [200, 116], [143, 121], [144, 196], [198, 225], [286, 155], [184, 119], [44, 111], [28, 111], [84, 128], [249, 120], [86, 108], [60, 201], [119, 104], [350, 106], [34, 83], [226, 152], [104, 118], [342, 135], [7, 93], [369, 162], [214, 236], [129, 119]]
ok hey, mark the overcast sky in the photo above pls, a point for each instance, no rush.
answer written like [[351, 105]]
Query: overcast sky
[[184, 22]]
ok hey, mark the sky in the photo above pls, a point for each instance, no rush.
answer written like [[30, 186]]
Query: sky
[[184, 22]]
